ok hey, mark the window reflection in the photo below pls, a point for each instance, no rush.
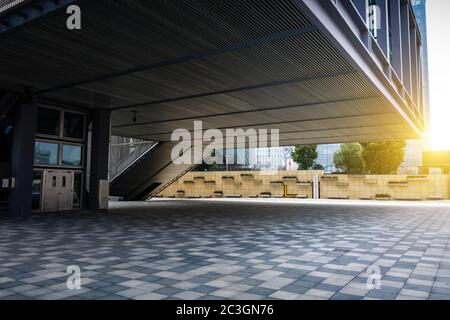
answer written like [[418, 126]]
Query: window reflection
[[71, 155], [77, 190], [45, 153], [48, 122], [36, 190], [73, 125]]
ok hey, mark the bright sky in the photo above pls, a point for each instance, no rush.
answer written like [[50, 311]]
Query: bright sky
[[439, 63]]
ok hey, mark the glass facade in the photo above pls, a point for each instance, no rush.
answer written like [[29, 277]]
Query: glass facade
[[77, 189], [49, 122], [71, 155], [36, 190], [73, 125], [325, 153], [59, 146], [45, 153]]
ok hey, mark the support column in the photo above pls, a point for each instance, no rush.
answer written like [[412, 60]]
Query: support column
[[98, 181], [22, 156]]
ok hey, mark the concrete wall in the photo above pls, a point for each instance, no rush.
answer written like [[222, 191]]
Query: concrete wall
[[298, 183]]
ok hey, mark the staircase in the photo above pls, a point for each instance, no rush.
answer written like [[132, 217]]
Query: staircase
[[149, 174]]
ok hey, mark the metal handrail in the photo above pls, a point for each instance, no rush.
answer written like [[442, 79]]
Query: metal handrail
[[139, 151]]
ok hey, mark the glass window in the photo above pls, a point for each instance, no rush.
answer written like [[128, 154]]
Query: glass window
[[71, 155], [45, 153], [36, 190], [77, 190], [48, 121], [73, 125]]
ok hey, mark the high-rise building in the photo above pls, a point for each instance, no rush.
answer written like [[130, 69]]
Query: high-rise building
[[415, 148], [325, 153], [420, 11]]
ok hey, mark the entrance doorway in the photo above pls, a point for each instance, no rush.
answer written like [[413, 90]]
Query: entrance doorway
[[57, 190]]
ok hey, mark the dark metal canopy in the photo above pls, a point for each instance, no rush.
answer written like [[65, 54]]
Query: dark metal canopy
[[251, 63]]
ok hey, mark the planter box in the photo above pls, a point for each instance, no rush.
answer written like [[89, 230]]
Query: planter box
[[417, 178], [329, 178], [413, 198], [435, 197], [188, 182], [228, 178], [209, 182], [276, 182], [342, 184], [398, 183]]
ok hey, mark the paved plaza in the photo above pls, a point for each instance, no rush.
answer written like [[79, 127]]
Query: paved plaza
[[191, 249]]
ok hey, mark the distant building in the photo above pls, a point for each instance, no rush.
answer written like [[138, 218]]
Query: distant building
[[436, 162], [415, 148], [278, 158], [325, 156]]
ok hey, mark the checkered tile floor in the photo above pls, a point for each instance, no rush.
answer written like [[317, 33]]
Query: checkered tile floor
[[229, 250]]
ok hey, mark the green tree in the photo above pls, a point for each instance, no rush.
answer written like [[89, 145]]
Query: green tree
[[317, 166], [383, 157], [349, 158], [305, 156]]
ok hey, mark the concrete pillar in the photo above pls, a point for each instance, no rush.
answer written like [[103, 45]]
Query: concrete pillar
[[101, 128], [22, 156]]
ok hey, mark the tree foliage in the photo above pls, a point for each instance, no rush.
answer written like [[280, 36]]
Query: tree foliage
[[383, 157], [349, 158], [305, 156]]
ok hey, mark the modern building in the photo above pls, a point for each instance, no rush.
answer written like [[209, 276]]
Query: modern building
[[271, 159], [325, 153], [415, 148], [142, 69]]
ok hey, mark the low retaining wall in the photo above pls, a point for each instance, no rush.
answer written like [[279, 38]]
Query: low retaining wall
[[298, 184]]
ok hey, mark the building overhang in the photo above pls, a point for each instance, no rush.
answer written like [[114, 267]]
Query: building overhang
[[299, 66]]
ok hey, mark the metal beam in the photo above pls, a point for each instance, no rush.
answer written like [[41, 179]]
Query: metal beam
[[323, 130], [253, 125], [194, 56], [245, 111], [246, 88]]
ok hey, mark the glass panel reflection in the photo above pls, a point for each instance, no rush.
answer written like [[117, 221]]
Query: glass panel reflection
[[45, 153], [71, 155]]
